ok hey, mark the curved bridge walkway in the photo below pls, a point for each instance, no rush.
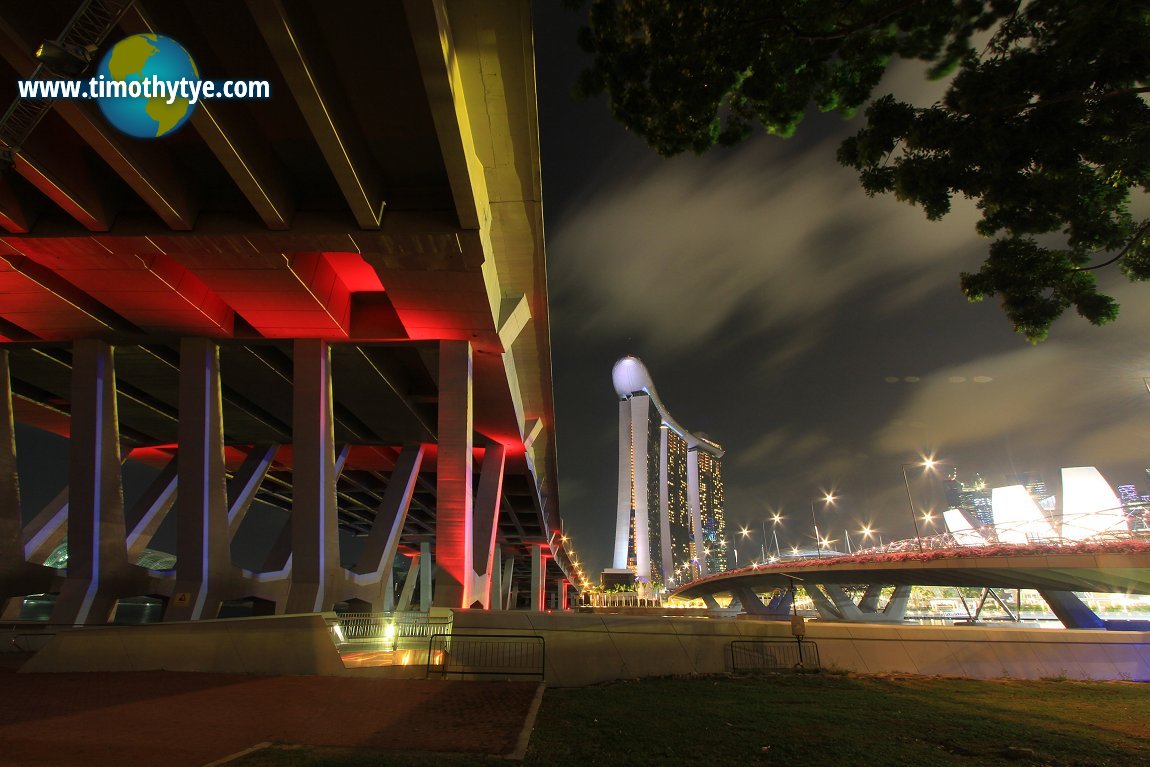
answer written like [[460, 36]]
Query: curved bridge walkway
[[1055, 571]]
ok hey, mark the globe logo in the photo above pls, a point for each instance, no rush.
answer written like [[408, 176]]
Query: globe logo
[[142, 58]]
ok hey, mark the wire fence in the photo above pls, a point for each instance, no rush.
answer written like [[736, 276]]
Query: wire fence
[[773, 655], [373, 627], [505, 655]]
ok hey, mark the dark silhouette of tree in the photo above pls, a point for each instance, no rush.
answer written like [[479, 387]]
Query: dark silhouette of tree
[[1046, 126]]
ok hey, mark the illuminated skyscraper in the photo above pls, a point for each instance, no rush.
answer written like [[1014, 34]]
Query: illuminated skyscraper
[[973, 498], [669, 519]]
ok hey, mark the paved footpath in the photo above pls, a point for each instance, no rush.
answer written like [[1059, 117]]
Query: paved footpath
[[181, 719]]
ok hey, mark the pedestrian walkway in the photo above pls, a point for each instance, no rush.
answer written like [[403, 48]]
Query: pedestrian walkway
[[181, 719]]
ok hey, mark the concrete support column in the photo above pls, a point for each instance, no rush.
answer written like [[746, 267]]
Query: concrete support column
[[895, 609], [11, 522], [487, 502], [508, 582], [453, 514], [1071, 611], [314, 532], [538, 576], [409, 582], [17, 576], [497, 600], [203, 551], [425, 576], [563, 595], [389, 591], [97, 547]]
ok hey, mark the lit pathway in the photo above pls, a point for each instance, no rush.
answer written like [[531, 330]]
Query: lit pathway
[[188, 720]]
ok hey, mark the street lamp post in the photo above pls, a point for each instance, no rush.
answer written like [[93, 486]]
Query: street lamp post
[[827, 499], [910, 501], [776, 518]]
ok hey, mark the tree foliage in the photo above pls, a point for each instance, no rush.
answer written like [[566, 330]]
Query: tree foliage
[[1045, 124]]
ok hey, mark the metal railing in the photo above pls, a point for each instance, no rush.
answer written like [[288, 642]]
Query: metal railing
[[373, 627], [774, 655], [619, 599], [504, 655], [29, 637]]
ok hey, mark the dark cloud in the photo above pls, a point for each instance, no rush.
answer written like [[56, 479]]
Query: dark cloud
[[816, 333]]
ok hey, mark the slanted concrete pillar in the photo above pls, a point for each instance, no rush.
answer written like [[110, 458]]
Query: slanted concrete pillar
[[314, 531], [409, 582], [17, 576], [47, 529], [425, 584], [97, 547], [870, 597], [497, 600], [1071, 611], [245, 483], [487, 502], [203, 559], [11, 522], [389, 591], [538, 576], [382, 542], [453, 508], [150, 511], [278, 559], [508, 581]]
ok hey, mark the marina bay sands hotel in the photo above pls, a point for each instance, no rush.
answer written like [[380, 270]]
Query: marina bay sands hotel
[[669, 520]]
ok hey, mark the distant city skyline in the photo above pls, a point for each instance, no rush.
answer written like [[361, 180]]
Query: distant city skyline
[[974, 498]]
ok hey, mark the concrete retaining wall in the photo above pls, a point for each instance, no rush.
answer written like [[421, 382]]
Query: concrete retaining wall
[[585, 649], [590, 648], [278, 644]]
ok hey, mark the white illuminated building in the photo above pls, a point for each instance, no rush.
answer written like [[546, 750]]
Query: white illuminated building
[[1017, 518], [961, 530], [1090, 509], [670, 522], [1089, 506]]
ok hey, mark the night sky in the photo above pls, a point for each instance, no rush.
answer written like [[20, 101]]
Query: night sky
[[818, 335]]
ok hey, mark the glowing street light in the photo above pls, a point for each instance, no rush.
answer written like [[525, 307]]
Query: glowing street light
[[927, 464], [776, 519], [827, 500]]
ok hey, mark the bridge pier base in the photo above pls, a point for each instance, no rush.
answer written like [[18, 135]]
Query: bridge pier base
[[834, 604]]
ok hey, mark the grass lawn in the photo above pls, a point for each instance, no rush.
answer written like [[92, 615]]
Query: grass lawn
[[811, 721]]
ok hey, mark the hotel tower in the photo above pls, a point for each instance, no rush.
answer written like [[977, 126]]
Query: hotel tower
[[669, 524]]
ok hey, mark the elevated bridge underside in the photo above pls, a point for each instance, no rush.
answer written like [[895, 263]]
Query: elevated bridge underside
[[1124, 568], [335, 297]]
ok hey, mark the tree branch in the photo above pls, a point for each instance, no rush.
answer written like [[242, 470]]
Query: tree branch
[[1020, 108], [1137, 236]]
